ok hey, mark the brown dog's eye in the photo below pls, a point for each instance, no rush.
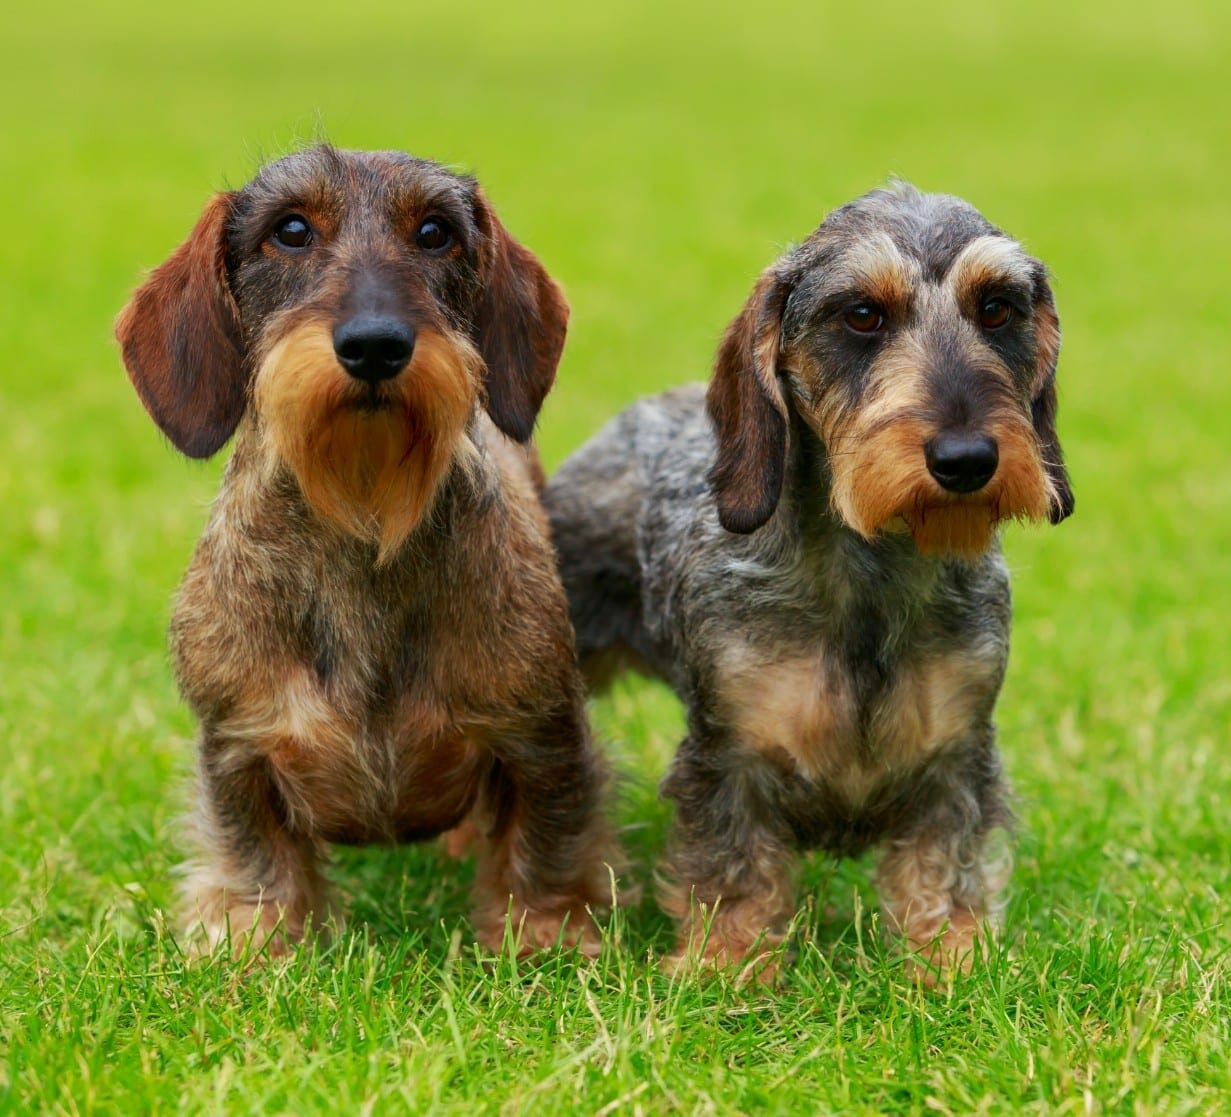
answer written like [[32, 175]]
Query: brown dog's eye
[[293, 232], [434, 236], [994, 313], [864, 318]]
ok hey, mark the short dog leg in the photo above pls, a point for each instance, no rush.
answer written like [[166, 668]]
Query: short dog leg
[[728, 876], [546, 851], [257, 883], [940, 888]]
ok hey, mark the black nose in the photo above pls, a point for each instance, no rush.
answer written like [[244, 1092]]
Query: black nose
[[373, 347], [962, 463]]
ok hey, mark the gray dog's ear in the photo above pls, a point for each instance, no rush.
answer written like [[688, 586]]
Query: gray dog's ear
[[746, 405], [1043, 396], [181, 342], [521, 322]]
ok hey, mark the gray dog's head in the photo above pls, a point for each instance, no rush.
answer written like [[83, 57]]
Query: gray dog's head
[[918, 343]]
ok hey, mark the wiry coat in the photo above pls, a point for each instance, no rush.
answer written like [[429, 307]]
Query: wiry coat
[[372, 632], [839, 682]]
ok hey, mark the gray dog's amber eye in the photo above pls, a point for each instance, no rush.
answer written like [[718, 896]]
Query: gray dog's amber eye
[[994, 313], [864, 318], [434, 235], [293, 232]]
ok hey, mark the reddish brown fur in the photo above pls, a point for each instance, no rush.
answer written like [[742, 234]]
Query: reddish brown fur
[[372, 631], [744, 923], [425, 765], [372, 474], [945, 911], [180, 337], [880, 476], [522, 321]]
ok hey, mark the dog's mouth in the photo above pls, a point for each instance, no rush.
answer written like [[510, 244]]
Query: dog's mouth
[[948, 501], [371, 399]]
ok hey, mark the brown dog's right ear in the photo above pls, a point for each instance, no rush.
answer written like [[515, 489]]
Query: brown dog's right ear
[[181, 342], [749, 414]]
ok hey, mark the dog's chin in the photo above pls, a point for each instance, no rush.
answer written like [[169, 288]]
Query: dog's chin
[[944, 525], [961, 528], [368, 458]]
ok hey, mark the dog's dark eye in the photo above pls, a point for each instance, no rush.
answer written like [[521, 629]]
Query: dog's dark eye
[[434, 236], [293, 232], [994, 313], [864, 318]]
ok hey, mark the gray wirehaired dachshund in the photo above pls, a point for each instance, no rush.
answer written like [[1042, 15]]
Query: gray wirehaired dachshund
[[808, 554]]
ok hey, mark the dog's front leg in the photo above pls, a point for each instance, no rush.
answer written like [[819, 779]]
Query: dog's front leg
[[941, 880], [256, 881], [728, 875], [546, 852]]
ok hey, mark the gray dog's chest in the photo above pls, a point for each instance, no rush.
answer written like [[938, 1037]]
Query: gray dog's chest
[[838, 677], [849, 729]]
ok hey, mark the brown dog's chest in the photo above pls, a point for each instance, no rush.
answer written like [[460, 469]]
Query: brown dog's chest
[[807, 713], [371, 692], [353, 766]]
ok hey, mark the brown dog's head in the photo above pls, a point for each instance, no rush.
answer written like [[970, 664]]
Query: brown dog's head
[[919, 344], [362, 303]]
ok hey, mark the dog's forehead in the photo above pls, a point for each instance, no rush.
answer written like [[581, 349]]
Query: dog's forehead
[[343, 178], [928, 232]]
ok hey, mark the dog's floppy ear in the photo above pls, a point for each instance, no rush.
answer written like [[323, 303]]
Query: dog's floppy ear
[[746, 405], [1043, 397], [180, 338], [520, 324]]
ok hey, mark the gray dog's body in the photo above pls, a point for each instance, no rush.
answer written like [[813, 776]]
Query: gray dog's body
[[839, 683]]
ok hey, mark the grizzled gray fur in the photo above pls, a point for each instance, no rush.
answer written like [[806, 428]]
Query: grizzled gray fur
[[810, 557]]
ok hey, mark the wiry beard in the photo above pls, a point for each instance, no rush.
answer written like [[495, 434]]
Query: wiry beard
[[880, 481], [368, 458]]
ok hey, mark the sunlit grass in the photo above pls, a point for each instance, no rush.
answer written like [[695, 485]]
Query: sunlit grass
[[656, 157]]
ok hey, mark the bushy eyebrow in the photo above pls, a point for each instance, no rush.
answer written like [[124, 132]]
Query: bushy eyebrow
[[441, 201], [991, 262]]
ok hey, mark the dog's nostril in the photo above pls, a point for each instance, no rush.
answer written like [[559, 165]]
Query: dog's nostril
[[392, 349], [962, 463], [373, 347]]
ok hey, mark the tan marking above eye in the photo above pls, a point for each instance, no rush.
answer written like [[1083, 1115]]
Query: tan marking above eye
[[988, 263]]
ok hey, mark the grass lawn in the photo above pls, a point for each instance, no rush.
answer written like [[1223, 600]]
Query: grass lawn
[[656, 158]]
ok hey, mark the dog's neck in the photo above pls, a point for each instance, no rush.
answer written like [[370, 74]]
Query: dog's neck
[[877, 587], [264, 497]]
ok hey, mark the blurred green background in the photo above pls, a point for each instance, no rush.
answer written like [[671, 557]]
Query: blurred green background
[[656, 156]]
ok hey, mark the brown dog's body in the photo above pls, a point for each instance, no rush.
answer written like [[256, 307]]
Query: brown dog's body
[[372, 632]]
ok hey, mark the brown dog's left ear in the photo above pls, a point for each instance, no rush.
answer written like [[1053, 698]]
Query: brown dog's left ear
[[746, 405], [1043, 403], [181, 342], [520, 325]]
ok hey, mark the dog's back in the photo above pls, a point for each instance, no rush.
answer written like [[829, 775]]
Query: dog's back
[[597, 502]]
